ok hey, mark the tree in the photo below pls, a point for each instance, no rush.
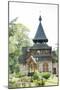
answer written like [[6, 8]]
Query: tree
[[55, 56], [18, 38]]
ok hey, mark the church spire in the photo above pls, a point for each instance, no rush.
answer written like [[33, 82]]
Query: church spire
[[40, 19], [40, 34]]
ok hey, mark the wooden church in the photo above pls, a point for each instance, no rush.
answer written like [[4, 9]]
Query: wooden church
[[39, 56]]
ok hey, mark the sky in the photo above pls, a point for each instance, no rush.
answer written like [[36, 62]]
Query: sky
[[28, 14]]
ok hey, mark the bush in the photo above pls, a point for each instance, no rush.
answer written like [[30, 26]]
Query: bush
[[19, 74], [46, 75], [40, 83], [12, 83], [25, 79], [36, 76]]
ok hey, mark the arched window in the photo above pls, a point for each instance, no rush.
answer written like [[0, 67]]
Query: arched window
[[45, 67]]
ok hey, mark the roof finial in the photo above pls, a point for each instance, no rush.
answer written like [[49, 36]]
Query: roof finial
[[40, 18]]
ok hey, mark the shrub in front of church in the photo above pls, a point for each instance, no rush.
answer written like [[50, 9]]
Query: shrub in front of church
[[46, 75], [12, 82], [40, 83], [37, 79], [36, 76], [19, 74]]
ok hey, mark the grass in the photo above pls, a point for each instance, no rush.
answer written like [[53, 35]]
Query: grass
[[53, 80], [25, 81]]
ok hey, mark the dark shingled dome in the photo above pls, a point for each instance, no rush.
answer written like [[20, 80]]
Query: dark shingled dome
[[40, 34]]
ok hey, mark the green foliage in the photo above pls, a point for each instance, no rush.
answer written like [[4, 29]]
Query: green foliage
[[36, 76], [19, 75], [18, 38], [38, 79], [55, 56], [46, 75], [25, 81], [40, 83]]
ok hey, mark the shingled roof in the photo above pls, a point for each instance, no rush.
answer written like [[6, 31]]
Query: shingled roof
[[40, 46], [40, 34]]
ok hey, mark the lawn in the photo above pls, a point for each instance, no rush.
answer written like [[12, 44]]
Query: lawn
[[53, 80], [18, 81]]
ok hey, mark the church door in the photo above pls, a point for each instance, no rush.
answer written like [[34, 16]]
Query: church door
[[45, 67]]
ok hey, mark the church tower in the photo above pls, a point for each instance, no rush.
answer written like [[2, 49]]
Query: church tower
[[40, 36], [41, 51]]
